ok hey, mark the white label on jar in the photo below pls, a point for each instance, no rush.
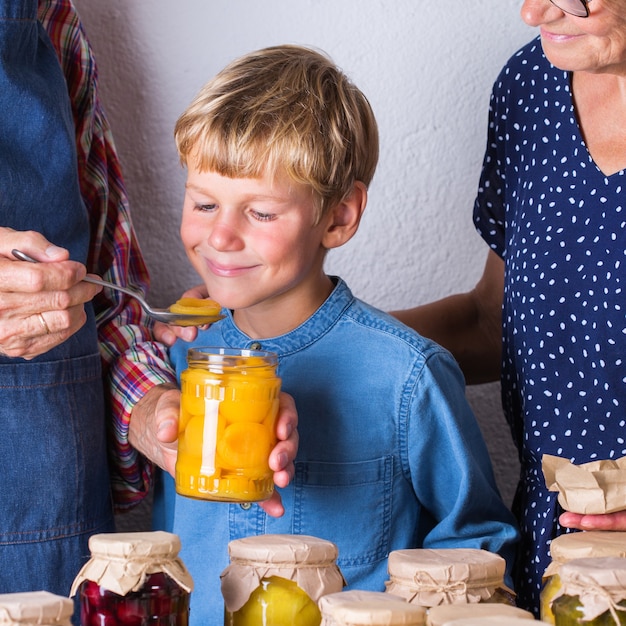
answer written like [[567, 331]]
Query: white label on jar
[[209, 436]]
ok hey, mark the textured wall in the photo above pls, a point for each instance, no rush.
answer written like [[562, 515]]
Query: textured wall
[[427, 68]]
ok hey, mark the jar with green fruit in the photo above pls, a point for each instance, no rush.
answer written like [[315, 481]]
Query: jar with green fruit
[[431, 577], [592, 593], [278, 579], [369, 608], [578, 545]]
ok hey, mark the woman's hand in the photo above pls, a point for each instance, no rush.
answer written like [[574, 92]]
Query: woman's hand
[[608, 521], [154, 432], [41, 304]]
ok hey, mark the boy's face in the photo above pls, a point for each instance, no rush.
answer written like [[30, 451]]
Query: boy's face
[[255, 244]]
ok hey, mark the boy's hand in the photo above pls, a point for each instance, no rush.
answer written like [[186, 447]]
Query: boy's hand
[[168, 334], [153, 431], [609, 521]]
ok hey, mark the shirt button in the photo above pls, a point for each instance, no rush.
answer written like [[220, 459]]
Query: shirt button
[[245, 505], [255, 346]]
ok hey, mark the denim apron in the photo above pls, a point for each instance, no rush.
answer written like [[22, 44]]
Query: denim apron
[[54, 484]]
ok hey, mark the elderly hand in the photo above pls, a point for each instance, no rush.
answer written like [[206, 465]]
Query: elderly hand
[[609, 521], [154, 432], [41, 304]]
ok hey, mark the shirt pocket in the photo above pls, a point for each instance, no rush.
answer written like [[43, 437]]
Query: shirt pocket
[[348, 504]]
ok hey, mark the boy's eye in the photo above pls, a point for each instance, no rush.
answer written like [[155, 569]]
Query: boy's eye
[[263, 217], [206, 207]]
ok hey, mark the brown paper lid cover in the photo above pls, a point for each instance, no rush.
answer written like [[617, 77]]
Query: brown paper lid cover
[[586, 544], [121, 562], [596, 487], [599, 583], [439, 615], [40, 608], [369, 608], [306, 560], [445, 576], [493, 621]]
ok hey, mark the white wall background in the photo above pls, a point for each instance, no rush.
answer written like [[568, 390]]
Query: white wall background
[[427, 69]]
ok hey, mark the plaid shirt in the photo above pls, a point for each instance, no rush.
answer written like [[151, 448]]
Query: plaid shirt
[[132, 362]]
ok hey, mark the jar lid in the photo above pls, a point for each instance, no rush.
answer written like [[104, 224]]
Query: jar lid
[[367, 608], [444, 613], [121, 562], [308, 561], [35, 607], [599, 583], [445, 576], [492, 621], [282, 549]]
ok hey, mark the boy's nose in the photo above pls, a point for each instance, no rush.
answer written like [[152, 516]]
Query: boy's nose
[[225, 236]]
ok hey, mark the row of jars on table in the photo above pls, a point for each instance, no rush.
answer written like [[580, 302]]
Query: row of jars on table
[[138, 579]]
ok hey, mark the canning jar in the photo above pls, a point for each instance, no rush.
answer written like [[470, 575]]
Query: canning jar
[[447, 576], [228, 410], [493, 620], [444, 613], [278, 579], [369, 608], [592, 593], [134, 579], [35, 607], [587, 544]]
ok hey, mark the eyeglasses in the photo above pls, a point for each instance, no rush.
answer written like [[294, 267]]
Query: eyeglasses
[[579, 8]]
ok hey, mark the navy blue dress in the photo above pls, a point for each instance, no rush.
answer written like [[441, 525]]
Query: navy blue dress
[[560, 225]]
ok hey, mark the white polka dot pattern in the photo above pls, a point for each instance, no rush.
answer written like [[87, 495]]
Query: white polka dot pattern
[[560, 224]]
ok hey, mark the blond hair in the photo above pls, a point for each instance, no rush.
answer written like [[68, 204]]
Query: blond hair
[[283, 109]]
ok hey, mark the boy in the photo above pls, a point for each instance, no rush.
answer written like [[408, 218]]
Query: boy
[[280, 148]]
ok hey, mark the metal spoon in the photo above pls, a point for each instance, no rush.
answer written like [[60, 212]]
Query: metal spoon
[[160, 315]]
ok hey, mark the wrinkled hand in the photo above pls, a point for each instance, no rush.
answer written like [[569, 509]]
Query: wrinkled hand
[[154, 432], [609, 521], [41, 304], [168, 334]]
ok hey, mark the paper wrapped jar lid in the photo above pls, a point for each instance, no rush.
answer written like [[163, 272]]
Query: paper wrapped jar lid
[[369, 608], [445, 576], [440, 615], [121, 562], [493, 621], [307, 561], [599, 583], [586, 544], [40, 608]]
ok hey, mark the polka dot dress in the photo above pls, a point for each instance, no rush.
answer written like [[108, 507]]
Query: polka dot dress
[[560, 225]]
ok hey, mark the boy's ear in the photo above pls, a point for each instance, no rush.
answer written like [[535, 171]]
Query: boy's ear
[[343, 220]]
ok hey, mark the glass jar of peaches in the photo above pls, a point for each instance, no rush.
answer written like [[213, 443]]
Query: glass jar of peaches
[[134, 579], [278, 579], [35, 607], [228, 411], [430, 577]]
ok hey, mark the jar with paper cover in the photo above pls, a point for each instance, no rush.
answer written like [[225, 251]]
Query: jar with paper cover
[[278, 579], [587, 544], [35, 607], [134, 579], [494, 621], [430, 577], [369, 608], [444, 613], [592, 593]]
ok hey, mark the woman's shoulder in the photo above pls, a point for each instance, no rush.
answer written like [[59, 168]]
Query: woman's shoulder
[[528, 60]]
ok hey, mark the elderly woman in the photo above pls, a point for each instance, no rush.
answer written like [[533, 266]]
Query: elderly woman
[[548, 314]]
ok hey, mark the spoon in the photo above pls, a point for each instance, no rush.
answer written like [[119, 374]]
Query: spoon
[[160, 315]]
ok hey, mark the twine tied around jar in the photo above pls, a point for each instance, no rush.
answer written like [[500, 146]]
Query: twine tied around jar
[[599, 583]]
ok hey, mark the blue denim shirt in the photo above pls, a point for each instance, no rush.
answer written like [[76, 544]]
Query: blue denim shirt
[[390, 453]]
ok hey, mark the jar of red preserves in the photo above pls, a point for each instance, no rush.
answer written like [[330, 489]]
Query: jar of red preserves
[[134, 579]]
